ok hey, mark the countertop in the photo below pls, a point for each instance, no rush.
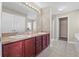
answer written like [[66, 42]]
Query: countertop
[[10, 39]]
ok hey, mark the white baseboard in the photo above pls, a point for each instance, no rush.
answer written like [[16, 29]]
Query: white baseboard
[[51, 40], [70, 42]]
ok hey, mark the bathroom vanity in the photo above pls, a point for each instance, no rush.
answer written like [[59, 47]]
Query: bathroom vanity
[[25, 45]]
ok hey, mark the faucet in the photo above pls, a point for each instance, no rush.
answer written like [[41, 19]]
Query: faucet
[[14, 30]]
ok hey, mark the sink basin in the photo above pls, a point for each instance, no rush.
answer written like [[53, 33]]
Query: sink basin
[[17, 36]]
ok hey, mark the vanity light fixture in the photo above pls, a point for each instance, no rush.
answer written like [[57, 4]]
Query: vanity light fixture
[[29, 5]]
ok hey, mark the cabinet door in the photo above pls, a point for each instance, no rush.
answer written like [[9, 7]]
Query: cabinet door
[[48, 39], [16, 49], [44, 41], [38, 45], [5, 50], [29, 48]]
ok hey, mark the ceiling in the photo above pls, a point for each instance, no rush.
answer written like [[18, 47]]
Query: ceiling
[[59, 7]]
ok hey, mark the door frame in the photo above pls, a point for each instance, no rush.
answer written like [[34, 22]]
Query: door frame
[[60, 28]]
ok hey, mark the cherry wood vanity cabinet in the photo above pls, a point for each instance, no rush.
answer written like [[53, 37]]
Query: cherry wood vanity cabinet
[[29, 47], [14, 49], [38, 45]]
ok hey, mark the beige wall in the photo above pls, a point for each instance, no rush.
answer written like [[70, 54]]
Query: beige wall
[[46, 19], [39, 23], [73, 24], [0, 17], [0, 29]]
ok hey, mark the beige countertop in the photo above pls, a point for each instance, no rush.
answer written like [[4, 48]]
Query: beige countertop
[[10, 39]]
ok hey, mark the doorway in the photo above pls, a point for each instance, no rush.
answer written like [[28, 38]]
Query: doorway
[[63, 28]]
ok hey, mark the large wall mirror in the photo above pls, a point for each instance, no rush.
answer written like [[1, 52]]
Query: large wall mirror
[[19, 19]]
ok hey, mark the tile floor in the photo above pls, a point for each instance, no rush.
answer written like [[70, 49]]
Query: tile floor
[[59, 48], [0, 46]]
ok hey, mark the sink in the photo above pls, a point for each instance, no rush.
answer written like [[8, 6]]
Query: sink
[[17, 36]]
